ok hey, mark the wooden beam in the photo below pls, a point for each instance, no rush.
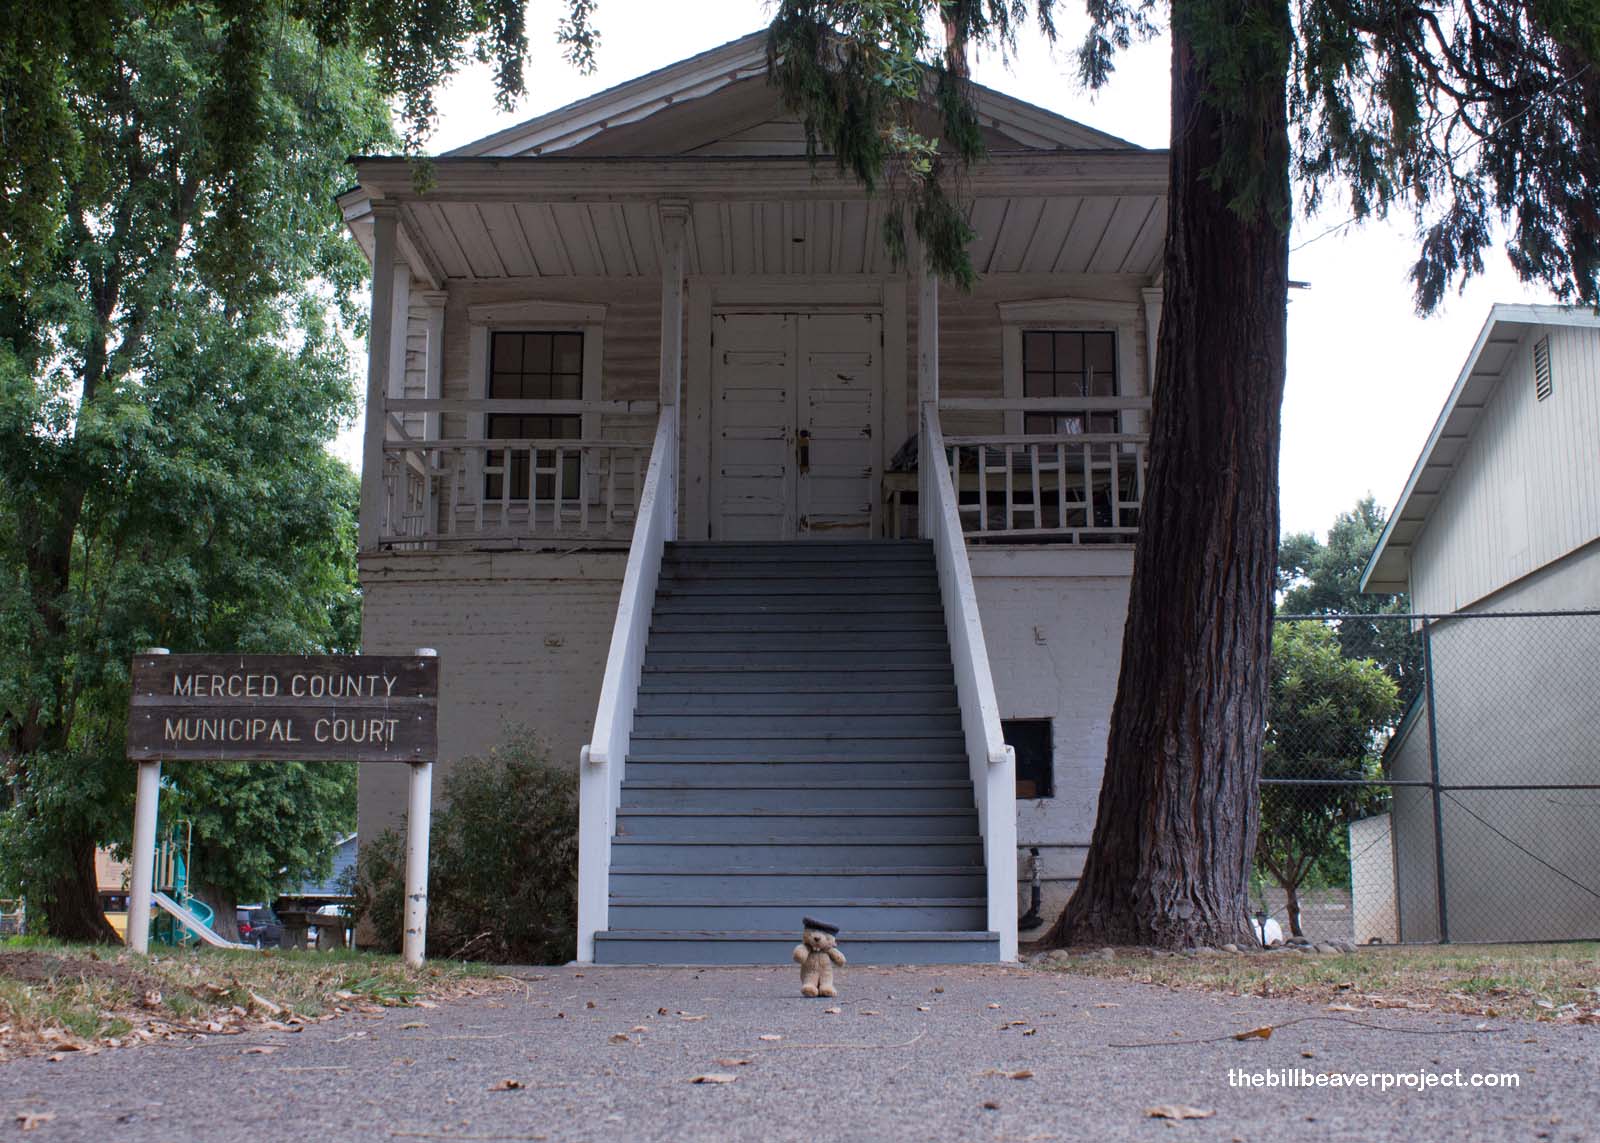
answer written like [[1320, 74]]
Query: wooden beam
[[384, 225]]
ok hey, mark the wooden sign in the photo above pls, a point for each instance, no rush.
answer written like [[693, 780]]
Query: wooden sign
[[347, 708]]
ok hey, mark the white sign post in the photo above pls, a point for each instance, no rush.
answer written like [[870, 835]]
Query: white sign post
[[146, 802]]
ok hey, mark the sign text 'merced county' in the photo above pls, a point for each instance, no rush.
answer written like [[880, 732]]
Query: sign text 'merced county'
[[299, 684], [377, 708]]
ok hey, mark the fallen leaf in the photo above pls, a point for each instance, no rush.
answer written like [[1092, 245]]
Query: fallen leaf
[[990, 1105], [33, 1120], [730, 1062], [1019, 1075], [870, 1012], [639, 1028], [662, 1012], [588, 1003], [1262, 1033], [1178, 1111], [507, 1085], [832, 1011], [1107, 1004], [258, 1050], [769, 1038], [618, 1038], [266, 1005], [714, 1077], [1030, 1031], [152, 999], [406, 1027], [688, 1019], [923, 1008], [424, 1004], [994, 1006], [1308, 1054], [1343, 1008], [938, 988]]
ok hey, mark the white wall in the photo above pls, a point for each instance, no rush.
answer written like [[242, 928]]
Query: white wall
[[1527, 489], [521, 638], [1053, 621]]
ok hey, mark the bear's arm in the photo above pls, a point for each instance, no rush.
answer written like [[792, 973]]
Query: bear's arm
[[800, 952], [836, 956]]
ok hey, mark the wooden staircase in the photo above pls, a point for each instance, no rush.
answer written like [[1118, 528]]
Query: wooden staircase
[[797, 748]]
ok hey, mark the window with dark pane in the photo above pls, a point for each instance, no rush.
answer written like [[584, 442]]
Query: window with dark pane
[[1069, 363], [534, 366], [1031, 739]]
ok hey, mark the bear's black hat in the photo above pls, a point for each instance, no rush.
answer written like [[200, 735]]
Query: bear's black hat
[[820, 926]]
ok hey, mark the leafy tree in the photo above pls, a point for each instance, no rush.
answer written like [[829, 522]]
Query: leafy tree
[[1327, 715], [1465, 112], [163, 412], [1316, 578]]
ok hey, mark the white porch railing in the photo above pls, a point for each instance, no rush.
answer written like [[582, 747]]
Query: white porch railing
[[601, 762], [1070, 487], [439, 491], [990, 761]]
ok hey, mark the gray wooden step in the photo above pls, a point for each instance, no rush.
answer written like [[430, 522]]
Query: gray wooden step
[[790, 770], [874, 657], [699, 724], [921, 701], [692, 748], [794, 826], [841, 621], [809, 572], [923, 603], [792, 678], [798, 640], [796, 585], [794, 883], [779, 795], [783, 551], [647, 946], [892, 914], [740, 857]]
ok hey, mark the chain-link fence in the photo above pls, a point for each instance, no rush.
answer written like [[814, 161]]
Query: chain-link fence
[[1432, 778]]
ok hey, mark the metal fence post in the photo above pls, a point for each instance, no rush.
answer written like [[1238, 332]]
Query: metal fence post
[[1433, 767]]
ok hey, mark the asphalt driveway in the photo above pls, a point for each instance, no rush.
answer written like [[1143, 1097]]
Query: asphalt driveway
[[921, 1053]]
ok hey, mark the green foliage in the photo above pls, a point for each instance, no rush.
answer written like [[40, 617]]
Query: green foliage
[[1326, 720], [51, 55], [168, 381], [504, 863], [1316, 578], [893, 108]]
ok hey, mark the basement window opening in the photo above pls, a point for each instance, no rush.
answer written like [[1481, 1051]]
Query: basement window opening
[[1032, 739]]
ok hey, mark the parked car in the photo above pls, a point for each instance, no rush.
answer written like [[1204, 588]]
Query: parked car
[[259, 926]]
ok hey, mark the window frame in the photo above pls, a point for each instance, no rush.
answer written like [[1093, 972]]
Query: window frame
[[532, 316], [1072, 315]]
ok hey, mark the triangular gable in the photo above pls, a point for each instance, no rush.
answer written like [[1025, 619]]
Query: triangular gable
[[719, 102]]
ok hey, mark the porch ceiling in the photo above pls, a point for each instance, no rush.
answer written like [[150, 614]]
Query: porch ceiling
[[1053, 213]]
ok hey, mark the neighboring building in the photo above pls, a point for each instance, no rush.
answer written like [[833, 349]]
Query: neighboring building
[[1502, 514], [340, 878], [658, 269]]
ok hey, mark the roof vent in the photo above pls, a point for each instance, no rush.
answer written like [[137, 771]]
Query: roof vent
[[1542, 386]]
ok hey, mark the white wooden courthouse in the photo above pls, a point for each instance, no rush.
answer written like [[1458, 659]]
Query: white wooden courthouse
[[645, 400]]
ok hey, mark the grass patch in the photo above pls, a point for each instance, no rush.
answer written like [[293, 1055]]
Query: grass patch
[[1556, 983], [60, 997]]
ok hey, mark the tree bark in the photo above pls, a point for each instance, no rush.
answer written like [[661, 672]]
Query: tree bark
[[1291, 900], [74, 912], [1174, 839], [225, 921]]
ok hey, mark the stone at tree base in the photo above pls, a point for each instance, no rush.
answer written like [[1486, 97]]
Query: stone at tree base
[[1230, 948]]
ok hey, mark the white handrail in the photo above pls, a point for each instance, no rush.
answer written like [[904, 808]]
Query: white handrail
[[990, 761], [601, 761]]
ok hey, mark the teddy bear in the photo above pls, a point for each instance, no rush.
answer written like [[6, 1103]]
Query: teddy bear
[[816, 954]]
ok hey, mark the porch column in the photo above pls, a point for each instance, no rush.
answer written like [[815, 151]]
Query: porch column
[[674, 224], [385, 221], [927, 386], [434, 300], [1153, 296]]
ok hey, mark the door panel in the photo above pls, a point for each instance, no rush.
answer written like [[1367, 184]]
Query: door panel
[[841, 368], [795, 404], [753, 370]]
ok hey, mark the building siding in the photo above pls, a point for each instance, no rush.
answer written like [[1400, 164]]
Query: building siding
[[1527, 489]]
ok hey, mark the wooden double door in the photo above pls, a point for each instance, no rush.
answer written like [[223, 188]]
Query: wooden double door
[[796, 409]]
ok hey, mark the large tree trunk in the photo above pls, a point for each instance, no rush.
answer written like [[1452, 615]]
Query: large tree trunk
[[73, 912], [1170, 861], [1291, 898]]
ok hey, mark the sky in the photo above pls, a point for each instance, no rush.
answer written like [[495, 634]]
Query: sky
[[1366, 376]]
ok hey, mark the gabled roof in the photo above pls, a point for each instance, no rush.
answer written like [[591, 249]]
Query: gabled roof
[[668, 110], [1389, 568]]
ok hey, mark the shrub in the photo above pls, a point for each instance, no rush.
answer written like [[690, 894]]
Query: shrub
[[503, 876]]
